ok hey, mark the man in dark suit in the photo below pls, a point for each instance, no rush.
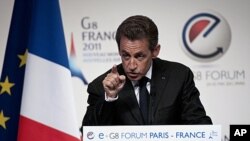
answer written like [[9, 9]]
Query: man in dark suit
[[169, 96]]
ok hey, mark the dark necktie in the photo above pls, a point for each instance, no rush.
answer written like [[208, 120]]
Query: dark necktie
[[144, 98]]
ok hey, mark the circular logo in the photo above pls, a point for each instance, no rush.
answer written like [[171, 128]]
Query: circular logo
[[90, 135], [206, 37]]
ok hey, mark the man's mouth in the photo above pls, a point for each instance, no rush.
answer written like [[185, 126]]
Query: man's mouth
[[133, 75]]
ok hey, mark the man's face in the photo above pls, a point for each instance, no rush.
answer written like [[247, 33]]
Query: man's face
[[136, 57]]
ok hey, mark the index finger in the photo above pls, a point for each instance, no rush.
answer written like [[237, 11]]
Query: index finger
[[114, 70]]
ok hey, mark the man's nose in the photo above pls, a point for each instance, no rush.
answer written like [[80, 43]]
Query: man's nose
[[132, 64]]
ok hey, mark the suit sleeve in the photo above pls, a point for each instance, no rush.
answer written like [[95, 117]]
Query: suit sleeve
[[99, 112], [193, 111]]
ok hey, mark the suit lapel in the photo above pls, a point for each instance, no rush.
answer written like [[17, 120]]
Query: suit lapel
[[158, 82], [127, 96]]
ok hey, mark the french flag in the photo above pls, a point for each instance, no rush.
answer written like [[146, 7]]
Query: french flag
[[47, 106]]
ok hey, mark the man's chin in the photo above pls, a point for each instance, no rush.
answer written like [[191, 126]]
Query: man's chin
[[134, 77]]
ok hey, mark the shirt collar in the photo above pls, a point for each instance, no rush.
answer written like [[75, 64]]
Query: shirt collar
[[149, 73]]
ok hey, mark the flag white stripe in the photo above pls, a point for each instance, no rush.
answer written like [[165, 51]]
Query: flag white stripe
[[47, 95]]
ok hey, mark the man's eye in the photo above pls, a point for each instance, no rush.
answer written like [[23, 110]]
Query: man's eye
[[125, 56], [140, 57]]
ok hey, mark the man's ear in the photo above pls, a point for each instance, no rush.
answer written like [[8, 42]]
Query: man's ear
[[156, 51]]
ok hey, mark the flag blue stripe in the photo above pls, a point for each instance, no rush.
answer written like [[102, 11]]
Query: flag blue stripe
[[46, 40], [16, 45]]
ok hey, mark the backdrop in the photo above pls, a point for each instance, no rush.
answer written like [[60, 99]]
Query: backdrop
[[210, 36]]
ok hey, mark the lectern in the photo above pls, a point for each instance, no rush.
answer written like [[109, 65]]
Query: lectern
[[153, 133]]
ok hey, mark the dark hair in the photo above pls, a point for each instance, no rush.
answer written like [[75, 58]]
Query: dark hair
[[138, 27]]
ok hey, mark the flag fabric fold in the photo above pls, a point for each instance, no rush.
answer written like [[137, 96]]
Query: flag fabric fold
[[47, 102]]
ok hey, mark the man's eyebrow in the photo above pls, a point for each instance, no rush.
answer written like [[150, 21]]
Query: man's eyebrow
[[137, 53], [123, 51]]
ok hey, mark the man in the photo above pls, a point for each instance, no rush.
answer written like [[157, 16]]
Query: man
[[170, 95]]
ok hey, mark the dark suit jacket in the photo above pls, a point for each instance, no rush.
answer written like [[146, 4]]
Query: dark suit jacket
[[174, 99]]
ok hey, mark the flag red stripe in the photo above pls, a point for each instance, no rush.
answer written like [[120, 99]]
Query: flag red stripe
[[30, 130]]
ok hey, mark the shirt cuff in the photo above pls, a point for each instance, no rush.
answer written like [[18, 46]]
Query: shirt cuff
[[110, 99]]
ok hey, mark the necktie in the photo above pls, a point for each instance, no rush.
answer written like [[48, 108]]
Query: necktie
[[144, 98]]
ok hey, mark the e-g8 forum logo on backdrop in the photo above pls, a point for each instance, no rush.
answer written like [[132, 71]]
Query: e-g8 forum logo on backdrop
[[206, 37]]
